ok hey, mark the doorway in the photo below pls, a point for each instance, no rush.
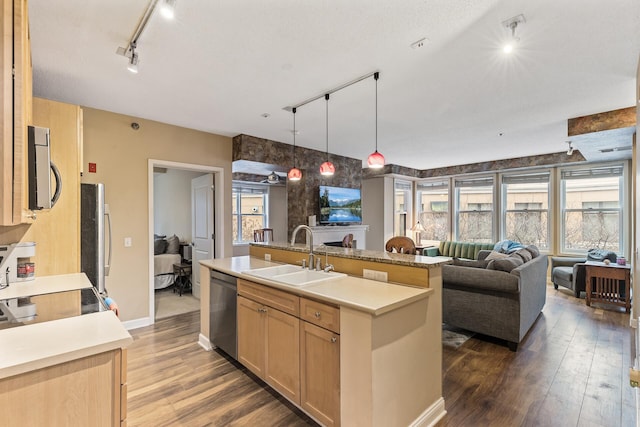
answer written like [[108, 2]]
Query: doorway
[[170, 214]]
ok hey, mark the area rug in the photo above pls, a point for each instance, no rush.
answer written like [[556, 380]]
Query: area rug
[[454, 337]]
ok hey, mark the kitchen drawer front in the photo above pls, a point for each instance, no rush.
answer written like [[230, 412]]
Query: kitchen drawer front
[[266, 295], [320, 314]]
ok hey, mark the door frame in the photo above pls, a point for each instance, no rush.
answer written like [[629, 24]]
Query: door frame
[[218, 214]]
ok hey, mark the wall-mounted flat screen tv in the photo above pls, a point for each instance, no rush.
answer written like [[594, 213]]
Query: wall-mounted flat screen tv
[[340, 205]]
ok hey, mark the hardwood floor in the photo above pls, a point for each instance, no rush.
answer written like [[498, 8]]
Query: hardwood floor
[[571, 370]]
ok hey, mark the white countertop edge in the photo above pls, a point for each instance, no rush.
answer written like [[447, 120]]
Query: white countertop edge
[[46, 285], [308, 291], [40, 345]]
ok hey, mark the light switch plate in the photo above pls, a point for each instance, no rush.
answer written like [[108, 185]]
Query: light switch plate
[[267, 257], [127, 242]]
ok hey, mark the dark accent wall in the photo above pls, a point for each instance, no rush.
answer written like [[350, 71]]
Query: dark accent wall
[[302, 196]]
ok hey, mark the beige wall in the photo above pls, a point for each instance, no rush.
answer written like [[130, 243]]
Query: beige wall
[[122, 157]]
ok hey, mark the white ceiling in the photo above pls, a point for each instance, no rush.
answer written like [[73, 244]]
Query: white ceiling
[[221, 64]]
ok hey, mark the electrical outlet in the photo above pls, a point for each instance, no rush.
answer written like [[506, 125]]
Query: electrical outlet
[[267, 257], [368, 274], [127, 242], [381, 276]]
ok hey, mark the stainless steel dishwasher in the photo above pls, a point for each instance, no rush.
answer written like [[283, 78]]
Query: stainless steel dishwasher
[[223, 320]]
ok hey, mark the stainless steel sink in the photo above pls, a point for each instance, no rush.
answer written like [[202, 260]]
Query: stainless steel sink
[[293, 275]]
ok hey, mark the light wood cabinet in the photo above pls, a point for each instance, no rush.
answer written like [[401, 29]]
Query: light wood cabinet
[[268, 338], [320, 363], [82, 392], [15, 109]]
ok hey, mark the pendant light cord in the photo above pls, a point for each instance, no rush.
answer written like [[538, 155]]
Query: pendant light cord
[[327, 108], [294, 137], [375, 76]]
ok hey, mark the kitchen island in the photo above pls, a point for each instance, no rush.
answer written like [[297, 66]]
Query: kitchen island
[[378, 344], [66, 367]]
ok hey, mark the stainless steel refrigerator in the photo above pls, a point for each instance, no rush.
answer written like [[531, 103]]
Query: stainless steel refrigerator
[[95, 235]]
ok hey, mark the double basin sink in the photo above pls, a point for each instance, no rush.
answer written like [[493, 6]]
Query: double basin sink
[[292, 275]]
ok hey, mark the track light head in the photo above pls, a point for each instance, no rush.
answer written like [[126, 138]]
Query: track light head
[[570, 150], [133, 62], [168, 9]]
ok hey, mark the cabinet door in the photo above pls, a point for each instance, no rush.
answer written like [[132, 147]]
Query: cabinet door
[[283, 353], [320, 373], [251, 335]]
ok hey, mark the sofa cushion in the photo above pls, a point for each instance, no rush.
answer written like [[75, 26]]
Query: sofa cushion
[[506, 264], [470, 263], [471, 279], [524, 254], [535, 252], [466, 250], [493, 255]]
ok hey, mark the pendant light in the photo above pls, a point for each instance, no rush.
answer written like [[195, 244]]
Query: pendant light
[[294, 173], [375, 159], [327, 168]]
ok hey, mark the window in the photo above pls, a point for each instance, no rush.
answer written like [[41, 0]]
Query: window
[[402, 206], [592, 201], [433, 209], [525, 213], [474, 210], [249, 211]]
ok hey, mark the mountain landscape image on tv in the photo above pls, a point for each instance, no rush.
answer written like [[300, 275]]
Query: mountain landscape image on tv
[[340, 205]]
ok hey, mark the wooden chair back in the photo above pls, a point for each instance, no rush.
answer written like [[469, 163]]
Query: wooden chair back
[[263, 235], [347, 242], [401, 244]]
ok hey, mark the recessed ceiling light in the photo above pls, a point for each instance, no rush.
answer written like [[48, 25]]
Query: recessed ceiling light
[[420, 43], [265, 115]]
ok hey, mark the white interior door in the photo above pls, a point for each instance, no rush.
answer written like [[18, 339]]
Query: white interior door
[[202, 209]]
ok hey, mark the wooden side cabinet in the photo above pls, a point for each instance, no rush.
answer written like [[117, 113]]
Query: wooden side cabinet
[[15, 108], [269, 339], [320, 373]]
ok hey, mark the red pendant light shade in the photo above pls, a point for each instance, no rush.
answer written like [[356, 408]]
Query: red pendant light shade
[[375, 159], [294, 174], [327, 168]]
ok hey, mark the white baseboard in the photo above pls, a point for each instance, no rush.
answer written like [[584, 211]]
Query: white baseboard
[[137, 323], [204, 342], [431, 415]]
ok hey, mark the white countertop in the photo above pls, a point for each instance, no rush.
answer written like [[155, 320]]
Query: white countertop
[[45, 285], [30, 347], [366, 295]]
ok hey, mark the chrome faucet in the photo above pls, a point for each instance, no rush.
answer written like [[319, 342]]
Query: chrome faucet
[[309, 239]]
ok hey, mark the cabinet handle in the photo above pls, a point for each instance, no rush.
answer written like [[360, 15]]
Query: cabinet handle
[[317, 314], [334, 339], [262, 310]]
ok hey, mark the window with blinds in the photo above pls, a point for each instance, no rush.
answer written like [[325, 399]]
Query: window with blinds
[[525, 208], [592, 201], [474, 209], [433, 210], [249, 210]]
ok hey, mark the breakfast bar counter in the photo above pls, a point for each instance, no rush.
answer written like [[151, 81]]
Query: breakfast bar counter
[[387, 332]]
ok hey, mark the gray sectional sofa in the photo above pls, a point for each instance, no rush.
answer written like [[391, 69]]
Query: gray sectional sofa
[[501, 301]]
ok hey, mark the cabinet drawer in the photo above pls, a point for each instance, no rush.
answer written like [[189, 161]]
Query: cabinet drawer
[[275, 298], [321, 314]]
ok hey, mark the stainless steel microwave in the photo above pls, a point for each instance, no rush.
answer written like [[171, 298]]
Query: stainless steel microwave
[[40, 170]]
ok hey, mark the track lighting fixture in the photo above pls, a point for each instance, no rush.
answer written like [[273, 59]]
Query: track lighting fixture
[[167, 10], [570, 150], [375, 159], [294, 173], [133, 61], [327, 168], [512, 24]]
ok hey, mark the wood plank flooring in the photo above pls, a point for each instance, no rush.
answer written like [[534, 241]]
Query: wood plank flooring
[[571, 370]]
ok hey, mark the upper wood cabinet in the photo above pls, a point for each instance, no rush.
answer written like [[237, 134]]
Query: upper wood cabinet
[[15, 110]]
